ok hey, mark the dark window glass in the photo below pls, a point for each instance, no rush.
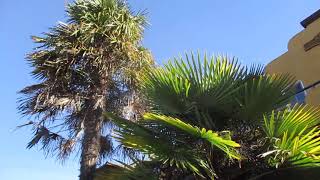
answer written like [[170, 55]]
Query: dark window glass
[[301, 96]]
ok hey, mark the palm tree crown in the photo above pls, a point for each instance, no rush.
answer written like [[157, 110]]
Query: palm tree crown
[[84, 67]]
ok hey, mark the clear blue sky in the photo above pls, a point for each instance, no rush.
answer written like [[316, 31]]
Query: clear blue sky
[[255, 31]]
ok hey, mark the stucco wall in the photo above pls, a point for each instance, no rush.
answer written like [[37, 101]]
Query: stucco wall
[[303, 65]]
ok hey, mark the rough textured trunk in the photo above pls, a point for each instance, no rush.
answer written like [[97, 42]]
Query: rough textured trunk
[[90, 147], [92, 132]]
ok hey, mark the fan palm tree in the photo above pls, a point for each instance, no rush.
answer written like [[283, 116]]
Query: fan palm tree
[[84, 67], [212, 117]]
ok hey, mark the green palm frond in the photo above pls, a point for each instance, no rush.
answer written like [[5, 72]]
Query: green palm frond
[[292, 121], [121, 171], [256, 70], [159, 147], [111, 18], [190, 86], [223, 143], [295, 137], [262, 94], [215, 91], [184, 82]]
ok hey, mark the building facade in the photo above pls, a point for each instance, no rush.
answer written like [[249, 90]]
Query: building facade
[[302, 60]]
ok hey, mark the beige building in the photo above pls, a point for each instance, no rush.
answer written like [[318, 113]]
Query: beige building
[[302, 60]]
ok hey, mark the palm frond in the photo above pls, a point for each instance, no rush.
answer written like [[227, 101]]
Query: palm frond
[[93, 58], [223, 143], [262, 94], [52, 142], [215, 91], [187, 85], [137, 170], [291, 120], [295, 137], [167, 150]]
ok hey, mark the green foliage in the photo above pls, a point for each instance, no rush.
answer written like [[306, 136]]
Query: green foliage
[[295, 137], [217, 88], [167, 150], [208, 114], [223, 143], [136, 170], [262, 94], [111, 18]]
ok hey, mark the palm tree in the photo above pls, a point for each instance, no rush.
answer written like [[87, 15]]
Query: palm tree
[[85, 67], [211, 118]]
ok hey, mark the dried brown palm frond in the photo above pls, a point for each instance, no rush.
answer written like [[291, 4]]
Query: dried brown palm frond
[[84, 67]]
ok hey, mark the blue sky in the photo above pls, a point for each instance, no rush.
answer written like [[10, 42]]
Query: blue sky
[[254, 31]]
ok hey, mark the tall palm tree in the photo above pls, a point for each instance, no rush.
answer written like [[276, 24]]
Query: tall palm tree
[[84, 67], [211, 118]]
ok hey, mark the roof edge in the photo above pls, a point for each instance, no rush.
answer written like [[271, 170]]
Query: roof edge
[[310, 19]]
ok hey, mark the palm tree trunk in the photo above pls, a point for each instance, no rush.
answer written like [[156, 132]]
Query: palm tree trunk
[[90, 147], [92, 131]]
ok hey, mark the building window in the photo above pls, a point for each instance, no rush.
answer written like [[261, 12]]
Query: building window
[[300, 97]]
